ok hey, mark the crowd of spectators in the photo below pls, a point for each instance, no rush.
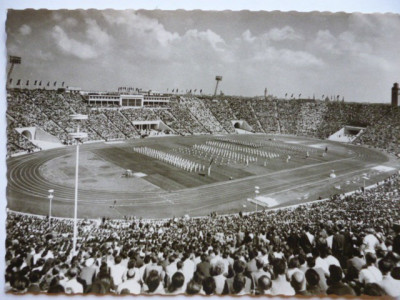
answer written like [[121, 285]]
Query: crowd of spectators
[[50, 110], [348, 245], [121, 122], [171, 121], [266, 112], [17, 142], [385, 133], [242, 109], [222, 112], [181, 112], [200, 111]]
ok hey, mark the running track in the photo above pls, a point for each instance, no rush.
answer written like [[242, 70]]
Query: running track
[[27, 190]]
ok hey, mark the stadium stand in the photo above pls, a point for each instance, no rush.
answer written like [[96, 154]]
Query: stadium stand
[[338, 246], [50, 110]]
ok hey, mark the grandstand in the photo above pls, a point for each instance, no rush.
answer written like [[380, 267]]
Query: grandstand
[[50, 110], [187, 219]]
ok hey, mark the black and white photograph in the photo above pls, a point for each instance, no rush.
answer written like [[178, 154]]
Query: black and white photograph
[[201, 152]]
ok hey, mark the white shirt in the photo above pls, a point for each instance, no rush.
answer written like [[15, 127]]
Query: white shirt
[[390, 285], [329, 241], [320, 263], [117, 273], [132, 285], [219, 283], [188, 269], [371, 242], [370, 275], [72, 286], [331, 260]]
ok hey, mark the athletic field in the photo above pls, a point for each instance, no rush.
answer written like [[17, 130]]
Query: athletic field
[[159, 189]]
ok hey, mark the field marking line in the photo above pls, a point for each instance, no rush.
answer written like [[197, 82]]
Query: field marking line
[[113, 207], [261, 176], [322, 180]]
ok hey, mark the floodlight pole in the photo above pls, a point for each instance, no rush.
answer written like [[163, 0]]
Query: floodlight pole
[[218, 79], [51, 196], [78, 136], [13, 61]]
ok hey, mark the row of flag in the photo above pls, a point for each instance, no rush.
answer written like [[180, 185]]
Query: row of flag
[[322, 97], [187, 91], [35, 83]]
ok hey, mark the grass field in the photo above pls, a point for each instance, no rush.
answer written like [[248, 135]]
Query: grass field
[[167, 191]]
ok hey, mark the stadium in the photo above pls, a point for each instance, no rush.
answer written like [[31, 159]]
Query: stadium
[[204, 135], [127, 190], [193, 158]]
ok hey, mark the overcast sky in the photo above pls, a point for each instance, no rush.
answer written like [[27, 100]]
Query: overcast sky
[[351, 55]]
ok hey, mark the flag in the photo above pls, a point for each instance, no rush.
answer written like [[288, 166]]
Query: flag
[[286, 95], [299, 95], [176, 90], [10, 80], [40, 83], [48, 83], [55, 82], [201, 91], [173, 90], [35, 82], [291, 96], [62, 84], [27, 82], [19, 82]]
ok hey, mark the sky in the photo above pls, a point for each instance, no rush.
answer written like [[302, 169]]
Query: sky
[[313, 54]]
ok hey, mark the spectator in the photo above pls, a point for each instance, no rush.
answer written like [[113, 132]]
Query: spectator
[[280, 285], [336, 286]]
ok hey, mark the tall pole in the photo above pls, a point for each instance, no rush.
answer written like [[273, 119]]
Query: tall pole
[[78, 136], [218, 79], [255, 197], [76, 194], [50, 199], [216, 88]]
